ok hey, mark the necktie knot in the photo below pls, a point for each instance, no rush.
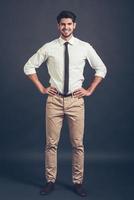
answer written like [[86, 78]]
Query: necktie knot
[[66, 43]]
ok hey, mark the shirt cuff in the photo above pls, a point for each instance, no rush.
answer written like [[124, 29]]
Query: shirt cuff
[[29, 71], [101, 74]]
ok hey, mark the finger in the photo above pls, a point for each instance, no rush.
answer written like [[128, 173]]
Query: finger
[[53, 88], [78, 92], [82, 94], [51, 92], [78, 95]]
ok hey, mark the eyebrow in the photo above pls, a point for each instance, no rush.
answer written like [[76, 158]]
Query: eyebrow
[[67, 23]]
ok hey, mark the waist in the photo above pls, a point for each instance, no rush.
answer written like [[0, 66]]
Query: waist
[[60, 87], [65, 95]]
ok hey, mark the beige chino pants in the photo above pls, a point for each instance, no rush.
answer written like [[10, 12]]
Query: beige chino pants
[[56, 108]]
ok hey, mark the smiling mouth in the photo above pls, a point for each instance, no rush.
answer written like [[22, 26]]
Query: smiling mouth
[[66, 32]]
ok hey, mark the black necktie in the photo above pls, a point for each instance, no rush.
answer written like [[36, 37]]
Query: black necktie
[[66, 69]]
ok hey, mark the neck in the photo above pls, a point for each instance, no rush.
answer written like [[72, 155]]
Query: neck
[[66, 38]]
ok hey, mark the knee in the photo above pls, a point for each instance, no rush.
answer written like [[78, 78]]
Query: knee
[[77, 145], [51, 146]]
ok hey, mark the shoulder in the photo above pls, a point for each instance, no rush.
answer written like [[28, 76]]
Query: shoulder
[[49, 45], [82, 43]]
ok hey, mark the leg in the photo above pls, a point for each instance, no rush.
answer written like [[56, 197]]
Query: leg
[[54, 119], [75, 115]]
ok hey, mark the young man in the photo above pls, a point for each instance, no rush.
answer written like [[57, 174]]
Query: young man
[[65, 59]]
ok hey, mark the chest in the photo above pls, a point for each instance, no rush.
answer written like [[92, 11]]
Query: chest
[[56, 55]]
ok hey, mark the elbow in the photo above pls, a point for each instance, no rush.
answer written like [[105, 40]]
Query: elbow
[[101, 72], [105, 71], [25, 70], [28, 70]]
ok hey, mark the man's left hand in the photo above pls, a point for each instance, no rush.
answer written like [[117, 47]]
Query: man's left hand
[[82, 92]]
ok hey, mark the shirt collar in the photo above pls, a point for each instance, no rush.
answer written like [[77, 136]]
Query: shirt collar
[[62, 41]]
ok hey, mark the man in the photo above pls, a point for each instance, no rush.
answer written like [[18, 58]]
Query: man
[[65, 59]]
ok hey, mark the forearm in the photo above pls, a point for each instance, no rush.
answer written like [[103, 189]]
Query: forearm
[[44, 90], [93, 85], [37, 83], [87, 92]]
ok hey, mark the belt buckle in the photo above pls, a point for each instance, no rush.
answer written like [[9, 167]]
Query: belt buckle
[[60, 94], [65, 95]]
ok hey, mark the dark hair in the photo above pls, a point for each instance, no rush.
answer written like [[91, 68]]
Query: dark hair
[[66, 14]]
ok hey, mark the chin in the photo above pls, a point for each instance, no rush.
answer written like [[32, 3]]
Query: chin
[[65, 36]]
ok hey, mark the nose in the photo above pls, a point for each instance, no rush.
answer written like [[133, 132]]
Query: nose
[[66, 26]]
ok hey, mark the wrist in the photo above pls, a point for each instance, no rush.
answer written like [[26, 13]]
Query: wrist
[[43, 90], [90, 89]]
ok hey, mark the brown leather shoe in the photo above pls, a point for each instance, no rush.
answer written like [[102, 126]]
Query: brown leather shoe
[[49, 187], [78, 189]]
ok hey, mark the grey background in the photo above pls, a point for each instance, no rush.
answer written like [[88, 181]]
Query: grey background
[[109, 135]]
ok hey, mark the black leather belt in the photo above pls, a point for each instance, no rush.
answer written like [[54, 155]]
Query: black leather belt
[[65, 95]]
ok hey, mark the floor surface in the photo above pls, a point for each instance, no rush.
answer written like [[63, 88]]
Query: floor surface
[[104, 180]]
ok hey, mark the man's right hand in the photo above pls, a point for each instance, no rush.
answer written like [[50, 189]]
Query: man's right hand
[[50, 90]]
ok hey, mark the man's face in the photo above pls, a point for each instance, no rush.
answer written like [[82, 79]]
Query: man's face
[[66, 27]]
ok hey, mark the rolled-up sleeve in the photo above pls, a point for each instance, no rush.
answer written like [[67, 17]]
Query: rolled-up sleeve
[[95, 62], [35, 61]]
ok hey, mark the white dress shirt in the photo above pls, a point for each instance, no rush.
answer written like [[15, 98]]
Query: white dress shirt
[[53, 54]]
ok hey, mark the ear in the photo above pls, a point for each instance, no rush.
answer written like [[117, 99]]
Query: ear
[[58, 26], [74, 25]]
